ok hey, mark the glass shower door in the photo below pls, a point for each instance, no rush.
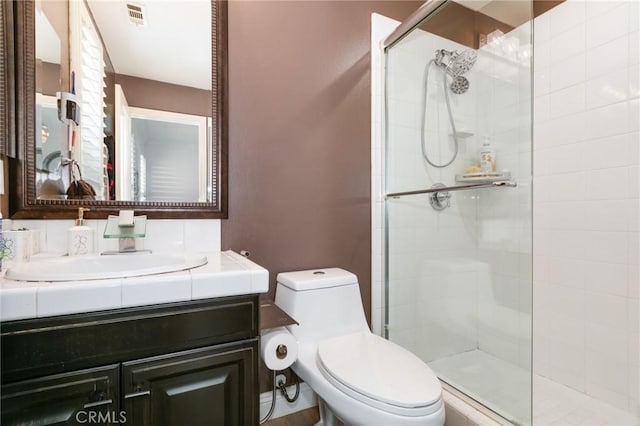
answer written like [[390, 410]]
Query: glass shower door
[[458, 261]]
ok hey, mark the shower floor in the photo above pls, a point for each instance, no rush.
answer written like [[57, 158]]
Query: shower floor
[[501, 386]]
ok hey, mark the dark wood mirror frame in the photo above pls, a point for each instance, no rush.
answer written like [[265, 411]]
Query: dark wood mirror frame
[[22, 185]]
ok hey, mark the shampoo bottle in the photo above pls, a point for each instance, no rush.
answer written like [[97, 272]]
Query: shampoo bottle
[[487, 157], [80, 236]]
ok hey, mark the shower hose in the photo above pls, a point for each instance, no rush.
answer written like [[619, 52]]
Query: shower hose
[[425, 82]]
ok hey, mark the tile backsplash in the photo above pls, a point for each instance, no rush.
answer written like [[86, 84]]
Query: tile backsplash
[[162, 235]]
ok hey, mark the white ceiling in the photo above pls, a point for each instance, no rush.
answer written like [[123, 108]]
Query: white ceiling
[[174, 46], [511, 12]]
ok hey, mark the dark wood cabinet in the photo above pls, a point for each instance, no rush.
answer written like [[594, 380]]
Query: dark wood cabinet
[[63, 399], [190, 363], [171, 390]]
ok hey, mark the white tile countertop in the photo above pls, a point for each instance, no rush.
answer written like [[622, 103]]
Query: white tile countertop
[[225, 274]]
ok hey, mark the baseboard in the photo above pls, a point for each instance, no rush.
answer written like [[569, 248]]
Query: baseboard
[[307, 399]]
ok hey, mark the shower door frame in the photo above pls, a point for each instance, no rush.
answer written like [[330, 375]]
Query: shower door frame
[[429, 8]]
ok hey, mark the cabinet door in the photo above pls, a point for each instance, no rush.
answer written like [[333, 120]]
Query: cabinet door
[[64, 399], [208, 386]]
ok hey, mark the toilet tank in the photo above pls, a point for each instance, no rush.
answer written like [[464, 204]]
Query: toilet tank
[[325, 303]]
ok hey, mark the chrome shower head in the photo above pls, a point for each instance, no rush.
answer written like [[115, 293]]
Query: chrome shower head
[[456, 63], [461, 63], [459, 85]]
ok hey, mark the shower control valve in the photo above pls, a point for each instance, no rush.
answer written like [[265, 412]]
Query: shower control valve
[[440, 200]]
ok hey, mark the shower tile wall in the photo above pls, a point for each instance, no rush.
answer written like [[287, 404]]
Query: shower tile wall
[[587, 206]]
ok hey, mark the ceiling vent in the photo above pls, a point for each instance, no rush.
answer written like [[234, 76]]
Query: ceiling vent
[[136, 14]]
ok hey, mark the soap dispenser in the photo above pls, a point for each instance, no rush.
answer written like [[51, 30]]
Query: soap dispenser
[[81, 236]]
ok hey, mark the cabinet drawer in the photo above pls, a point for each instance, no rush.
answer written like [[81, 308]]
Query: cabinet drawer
[[38, 347], [66, 399]]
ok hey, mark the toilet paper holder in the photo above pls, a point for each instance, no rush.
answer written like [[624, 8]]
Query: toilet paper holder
[[278, 350], [281, 351]]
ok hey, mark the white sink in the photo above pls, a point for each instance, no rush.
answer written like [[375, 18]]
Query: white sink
[[101, 267]]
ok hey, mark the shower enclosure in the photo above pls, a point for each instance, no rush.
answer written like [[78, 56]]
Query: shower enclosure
[[458, 270], [460, 264]]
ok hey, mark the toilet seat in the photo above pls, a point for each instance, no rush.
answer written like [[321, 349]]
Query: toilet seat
[[380, 373]]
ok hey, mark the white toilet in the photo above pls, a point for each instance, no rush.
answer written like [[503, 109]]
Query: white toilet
[[360, 378]]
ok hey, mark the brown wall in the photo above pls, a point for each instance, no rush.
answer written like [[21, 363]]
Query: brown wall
[[145, 93], [48, 78], [299, 148], [541, 6]]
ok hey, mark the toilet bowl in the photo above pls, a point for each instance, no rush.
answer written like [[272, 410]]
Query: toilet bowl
[[359, 378]]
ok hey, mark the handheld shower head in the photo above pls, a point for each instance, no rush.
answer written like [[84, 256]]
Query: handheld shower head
[[456, 63], [459, 85]]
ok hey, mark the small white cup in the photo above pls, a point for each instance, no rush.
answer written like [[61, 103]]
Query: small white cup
[[17, 246]]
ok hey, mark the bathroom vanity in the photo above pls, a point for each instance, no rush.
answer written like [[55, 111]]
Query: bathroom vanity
[[173, 363], [167, 364]]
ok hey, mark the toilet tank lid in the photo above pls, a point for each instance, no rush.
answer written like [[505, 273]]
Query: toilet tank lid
[[316, 278]]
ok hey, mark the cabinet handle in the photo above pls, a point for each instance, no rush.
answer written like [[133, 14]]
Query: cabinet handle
[[137, 394], [98, 403]]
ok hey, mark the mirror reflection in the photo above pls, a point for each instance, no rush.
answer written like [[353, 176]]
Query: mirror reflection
[[123, 103]]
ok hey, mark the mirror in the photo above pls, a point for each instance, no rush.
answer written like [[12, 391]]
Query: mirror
[[134, 110]]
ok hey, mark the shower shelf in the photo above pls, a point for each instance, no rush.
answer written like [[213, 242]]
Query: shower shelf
[[484, 177]]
